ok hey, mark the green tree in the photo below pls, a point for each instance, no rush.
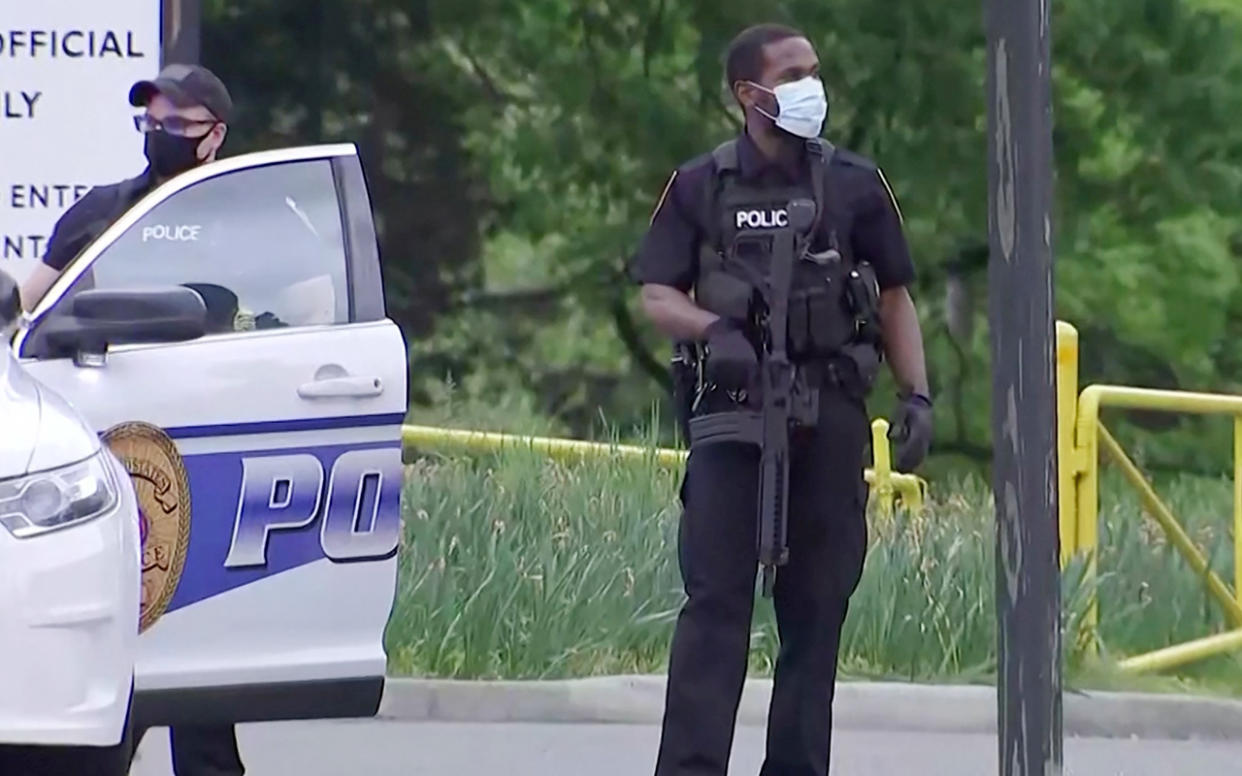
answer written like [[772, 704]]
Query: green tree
[[366, 72], [515, 150], [590, 105]]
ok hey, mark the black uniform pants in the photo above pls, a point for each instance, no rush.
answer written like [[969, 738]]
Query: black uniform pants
[[202, 750], [718, 556], [205, 751]]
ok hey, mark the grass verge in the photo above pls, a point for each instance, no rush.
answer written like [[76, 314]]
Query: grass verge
[[514, 566]]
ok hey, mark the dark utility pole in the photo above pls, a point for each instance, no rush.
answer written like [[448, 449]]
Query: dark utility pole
[[180, 27], [1023, 400]]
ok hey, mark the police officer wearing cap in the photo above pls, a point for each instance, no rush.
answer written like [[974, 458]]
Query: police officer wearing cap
[[701, 266], [186, 120], [187, 109]]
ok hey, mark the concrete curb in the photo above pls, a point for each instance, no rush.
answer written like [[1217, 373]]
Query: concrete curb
[[858, 706]]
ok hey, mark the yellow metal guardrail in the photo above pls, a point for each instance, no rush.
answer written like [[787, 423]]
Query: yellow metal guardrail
[[1081, 438], [888, 488]]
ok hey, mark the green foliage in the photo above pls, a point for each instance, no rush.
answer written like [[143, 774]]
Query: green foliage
[[517, 567], [366, 72], [597, 103], [516, 148], [1150, 168], [521, 569]]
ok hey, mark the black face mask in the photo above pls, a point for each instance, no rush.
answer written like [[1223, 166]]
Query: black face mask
[[171, 154]]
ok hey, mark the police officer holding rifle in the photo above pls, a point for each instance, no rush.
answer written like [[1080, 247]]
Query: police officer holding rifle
[[777, 265]]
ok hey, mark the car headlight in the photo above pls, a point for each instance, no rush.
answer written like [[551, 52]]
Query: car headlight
[[45, 501]]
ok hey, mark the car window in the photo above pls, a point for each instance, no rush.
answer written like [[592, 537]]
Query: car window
[[264, 247]]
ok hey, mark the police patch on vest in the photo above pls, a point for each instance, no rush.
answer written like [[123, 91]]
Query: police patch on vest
[[765, 218], [163, 487]]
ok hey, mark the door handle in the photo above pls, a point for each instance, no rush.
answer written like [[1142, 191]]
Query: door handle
[[342, 388]]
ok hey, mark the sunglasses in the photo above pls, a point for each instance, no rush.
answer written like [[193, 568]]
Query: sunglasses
[[173, 124]]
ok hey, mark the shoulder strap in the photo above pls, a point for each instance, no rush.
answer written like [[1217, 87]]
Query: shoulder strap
[[820, 152], [724, 159]]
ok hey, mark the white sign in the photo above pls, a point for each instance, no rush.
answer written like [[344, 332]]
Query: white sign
[[65, 119]]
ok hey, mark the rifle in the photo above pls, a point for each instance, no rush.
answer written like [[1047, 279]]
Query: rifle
[[769, 428]]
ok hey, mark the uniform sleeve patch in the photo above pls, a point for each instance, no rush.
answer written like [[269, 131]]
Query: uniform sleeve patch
[[663, 196], [891, 197]]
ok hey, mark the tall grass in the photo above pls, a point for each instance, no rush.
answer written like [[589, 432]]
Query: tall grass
[[514, 566]]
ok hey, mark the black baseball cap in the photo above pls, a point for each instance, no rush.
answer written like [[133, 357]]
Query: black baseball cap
[[185, 86]]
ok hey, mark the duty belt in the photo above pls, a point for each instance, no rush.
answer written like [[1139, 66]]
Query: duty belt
[[741, 423]]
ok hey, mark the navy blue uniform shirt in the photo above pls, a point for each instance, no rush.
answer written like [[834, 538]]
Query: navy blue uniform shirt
[[669, 252], [87, 218]]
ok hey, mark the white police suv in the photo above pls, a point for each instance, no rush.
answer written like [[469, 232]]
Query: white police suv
[[69, 580], [226, 339]]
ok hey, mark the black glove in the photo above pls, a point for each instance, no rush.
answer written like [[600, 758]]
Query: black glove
[[911, 431], [268, 321], [731, 361]]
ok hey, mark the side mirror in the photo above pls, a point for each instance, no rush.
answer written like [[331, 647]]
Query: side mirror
[[99, 318]]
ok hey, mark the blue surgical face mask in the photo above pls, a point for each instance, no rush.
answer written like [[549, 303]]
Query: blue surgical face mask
[[802, 106]]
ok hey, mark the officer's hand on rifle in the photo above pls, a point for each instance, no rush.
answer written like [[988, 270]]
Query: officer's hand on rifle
[[911, 431], [731, 360]]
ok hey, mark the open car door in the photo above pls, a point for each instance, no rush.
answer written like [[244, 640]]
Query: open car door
[[267, 452]]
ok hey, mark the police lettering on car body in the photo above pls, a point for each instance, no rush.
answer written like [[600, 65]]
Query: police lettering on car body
[[356, 495], [724, 230]]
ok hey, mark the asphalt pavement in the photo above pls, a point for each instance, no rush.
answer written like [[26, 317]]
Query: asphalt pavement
[[393, 748]]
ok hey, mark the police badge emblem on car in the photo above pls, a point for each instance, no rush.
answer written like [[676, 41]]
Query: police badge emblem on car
[[163, 489]]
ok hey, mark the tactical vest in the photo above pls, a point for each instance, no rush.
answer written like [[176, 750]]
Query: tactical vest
[[833, 301]]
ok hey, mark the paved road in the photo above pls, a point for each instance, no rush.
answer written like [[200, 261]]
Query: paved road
[[426, 749]]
